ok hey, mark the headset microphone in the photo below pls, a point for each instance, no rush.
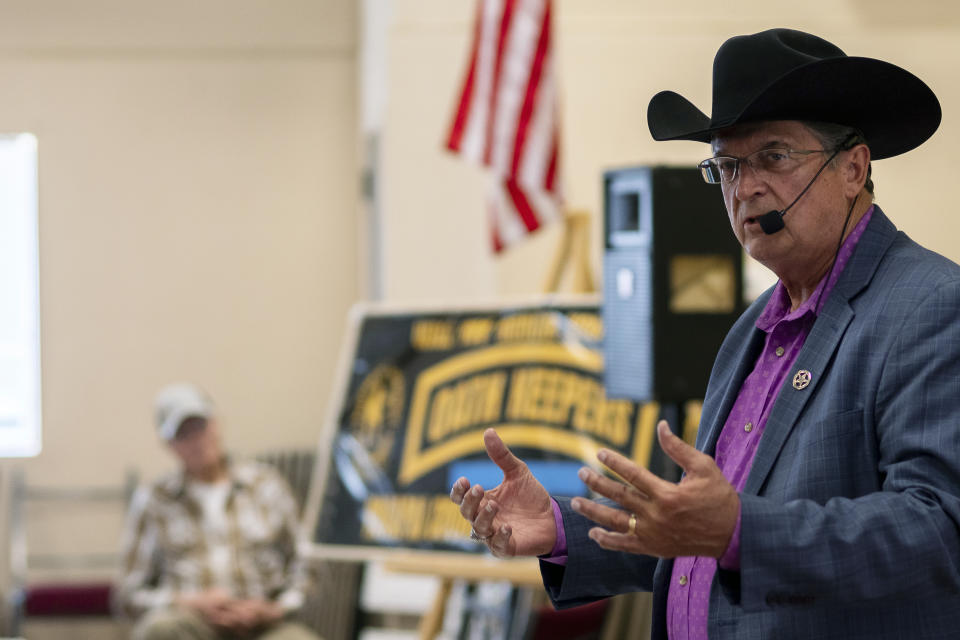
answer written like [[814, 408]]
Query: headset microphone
[[772, 221]]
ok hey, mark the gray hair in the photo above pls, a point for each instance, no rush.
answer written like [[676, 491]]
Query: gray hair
[[838, 136]]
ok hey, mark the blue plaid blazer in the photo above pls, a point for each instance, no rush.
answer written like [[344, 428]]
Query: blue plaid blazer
[[851, 512]]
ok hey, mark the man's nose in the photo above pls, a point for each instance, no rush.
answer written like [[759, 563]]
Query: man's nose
[[748, 181]]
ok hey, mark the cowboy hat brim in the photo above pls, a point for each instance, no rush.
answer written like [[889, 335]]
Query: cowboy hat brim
[[893, 109]]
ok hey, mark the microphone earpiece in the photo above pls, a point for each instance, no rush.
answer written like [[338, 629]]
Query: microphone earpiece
[[771, 222]]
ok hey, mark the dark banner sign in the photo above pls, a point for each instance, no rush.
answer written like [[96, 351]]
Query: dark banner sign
[[418, 391]]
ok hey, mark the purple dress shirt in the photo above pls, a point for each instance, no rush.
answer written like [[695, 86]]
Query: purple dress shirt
[[688, 601]]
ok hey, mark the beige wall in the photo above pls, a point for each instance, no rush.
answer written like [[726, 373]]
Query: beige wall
[[613, 56], [198, 201]]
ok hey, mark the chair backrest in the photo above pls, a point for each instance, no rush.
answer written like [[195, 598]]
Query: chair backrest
[[296, 467]]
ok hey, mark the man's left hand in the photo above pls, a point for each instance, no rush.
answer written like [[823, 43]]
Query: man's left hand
[[693, 518]]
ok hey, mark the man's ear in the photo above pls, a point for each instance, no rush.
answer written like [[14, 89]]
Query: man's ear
[[854, 165]]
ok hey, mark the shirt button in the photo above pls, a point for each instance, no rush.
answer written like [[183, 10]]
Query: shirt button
[[748, 427], [683, 581], [780, 351]]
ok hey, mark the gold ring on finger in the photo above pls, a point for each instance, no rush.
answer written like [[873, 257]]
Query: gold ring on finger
[[632, 524], [477, 537]]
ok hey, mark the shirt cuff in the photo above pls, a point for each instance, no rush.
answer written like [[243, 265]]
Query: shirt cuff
[[557, 555], [730, 560]]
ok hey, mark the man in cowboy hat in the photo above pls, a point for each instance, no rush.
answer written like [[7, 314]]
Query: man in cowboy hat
[[823, 497]]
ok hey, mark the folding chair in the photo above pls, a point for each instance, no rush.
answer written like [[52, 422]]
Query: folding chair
[[61, 583]]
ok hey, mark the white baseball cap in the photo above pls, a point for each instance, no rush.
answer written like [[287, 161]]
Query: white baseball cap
[[177, 402]]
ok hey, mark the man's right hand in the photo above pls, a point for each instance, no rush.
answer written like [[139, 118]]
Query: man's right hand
[[213, 605], [516, 517]]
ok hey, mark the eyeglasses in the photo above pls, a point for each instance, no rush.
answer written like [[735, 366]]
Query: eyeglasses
[[771, 161]]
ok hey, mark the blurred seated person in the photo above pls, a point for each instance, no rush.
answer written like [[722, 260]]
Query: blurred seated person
[[210, 551]]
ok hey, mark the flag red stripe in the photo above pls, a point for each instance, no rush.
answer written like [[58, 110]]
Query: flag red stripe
[[533, 85], [522, 205], [505, 21], [455, 139]]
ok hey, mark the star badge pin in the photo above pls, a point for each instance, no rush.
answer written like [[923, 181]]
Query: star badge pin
[[801, 380]]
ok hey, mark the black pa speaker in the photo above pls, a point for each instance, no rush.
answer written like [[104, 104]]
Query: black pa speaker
[[672, 282]]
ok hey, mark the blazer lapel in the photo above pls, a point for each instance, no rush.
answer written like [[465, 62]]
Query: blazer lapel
[[820, 345], [813, 358]]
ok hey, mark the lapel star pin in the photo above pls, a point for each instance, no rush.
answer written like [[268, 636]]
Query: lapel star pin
[[801, 380]]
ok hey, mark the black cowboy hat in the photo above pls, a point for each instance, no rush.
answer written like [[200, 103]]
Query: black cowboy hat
[[783, 74]]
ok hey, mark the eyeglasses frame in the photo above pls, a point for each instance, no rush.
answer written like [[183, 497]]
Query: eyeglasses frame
[[703, 164]]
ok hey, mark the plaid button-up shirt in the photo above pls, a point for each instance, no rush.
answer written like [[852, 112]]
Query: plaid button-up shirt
[[170, 548]]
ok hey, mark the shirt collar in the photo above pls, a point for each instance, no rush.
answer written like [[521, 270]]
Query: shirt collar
[[778, 307]]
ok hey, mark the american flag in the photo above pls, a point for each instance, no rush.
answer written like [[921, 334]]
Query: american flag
[[507, 118]]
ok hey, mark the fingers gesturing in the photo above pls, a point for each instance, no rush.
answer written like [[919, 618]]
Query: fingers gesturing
[[695, 517]]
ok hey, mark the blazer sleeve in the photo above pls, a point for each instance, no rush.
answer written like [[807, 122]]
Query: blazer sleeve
[[592, 573], [898, 543]]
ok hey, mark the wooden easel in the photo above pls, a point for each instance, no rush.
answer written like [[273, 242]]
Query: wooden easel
[[523, 572], [573, 250]]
